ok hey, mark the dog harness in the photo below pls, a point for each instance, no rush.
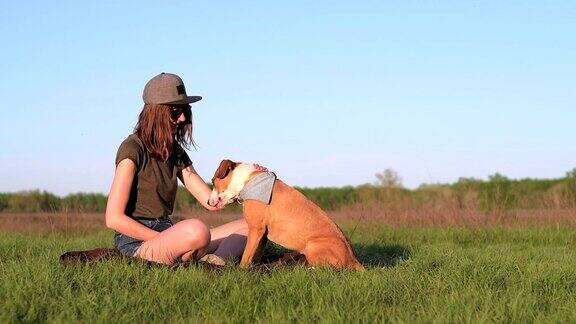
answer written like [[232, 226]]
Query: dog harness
[[259, 188]]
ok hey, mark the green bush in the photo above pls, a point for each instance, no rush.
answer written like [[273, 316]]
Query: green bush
[[498, 193], [4, 198], [84, 202], [33, 201], [331, 198]]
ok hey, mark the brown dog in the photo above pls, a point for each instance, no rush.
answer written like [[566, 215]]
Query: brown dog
[[290, 220]]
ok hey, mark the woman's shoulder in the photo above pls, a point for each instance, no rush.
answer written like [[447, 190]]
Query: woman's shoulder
[[132, 148], [132, 141]]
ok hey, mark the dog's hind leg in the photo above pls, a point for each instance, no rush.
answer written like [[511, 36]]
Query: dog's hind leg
[[325, 252]]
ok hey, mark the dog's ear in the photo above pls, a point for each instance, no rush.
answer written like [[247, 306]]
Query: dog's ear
[[225, 167]]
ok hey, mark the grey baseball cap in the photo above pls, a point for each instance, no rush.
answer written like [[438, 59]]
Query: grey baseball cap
[[167, 88]]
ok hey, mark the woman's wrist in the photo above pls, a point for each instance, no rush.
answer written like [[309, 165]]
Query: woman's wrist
[[130, 227], [150, 234]]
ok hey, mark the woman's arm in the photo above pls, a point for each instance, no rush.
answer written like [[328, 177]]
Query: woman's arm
[[197, 187], [117, 200]]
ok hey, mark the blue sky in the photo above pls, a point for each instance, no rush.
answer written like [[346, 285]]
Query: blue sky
[[323, 93]]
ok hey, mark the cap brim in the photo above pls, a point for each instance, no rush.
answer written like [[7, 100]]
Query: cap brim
[[188, 100]]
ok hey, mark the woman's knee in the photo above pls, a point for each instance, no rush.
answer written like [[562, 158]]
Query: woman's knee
[[243, 227], [197, 232]]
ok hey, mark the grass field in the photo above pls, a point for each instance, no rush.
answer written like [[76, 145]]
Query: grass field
[[494, 273]]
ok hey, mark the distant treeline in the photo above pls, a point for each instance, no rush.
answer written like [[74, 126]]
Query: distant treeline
[[496, 193]]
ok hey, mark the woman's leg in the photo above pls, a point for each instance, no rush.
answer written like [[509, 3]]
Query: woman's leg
[[183, 238], [228, 240]]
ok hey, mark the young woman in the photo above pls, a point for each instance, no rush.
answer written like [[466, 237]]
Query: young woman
[[148, 165]]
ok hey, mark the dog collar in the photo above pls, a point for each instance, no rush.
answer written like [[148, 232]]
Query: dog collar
[[259, 188]]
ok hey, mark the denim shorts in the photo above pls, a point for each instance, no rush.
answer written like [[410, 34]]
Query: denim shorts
[[128, 245]]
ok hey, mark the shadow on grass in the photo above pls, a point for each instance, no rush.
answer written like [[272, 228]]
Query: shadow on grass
[[374, 255], [370, 255]]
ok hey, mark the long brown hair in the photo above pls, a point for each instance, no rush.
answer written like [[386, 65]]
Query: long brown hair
[[154, 130]]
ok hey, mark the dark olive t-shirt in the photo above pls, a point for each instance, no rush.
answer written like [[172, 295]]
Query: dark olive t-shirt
[[155, 183]]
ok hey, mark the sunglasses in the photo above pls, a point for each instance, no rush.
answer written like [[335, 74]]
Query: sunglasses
[[176, 111]]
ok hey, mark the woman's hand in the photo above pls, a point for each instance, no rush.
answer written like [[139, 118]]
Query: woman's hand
[[259, 167]]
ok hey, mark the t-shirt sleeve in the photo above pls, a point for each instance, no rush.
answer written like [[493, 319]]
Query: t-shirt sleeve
[[186, 162], [129, 149], [183, 160]]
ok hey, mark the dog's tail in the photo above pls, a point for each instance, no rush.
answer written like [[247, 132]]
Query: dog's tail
[[353, 263], [356, 265]]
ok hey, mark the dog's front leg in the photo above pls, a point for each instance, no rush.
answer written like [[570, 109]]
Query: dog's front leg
[[253, 244]]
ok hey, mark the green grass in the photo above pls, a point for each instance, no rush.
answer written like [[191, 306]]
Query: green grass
[[490, 274]]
